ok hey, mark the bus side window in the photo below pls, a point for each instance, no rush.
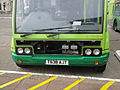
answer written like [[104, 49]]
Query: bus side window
[[117, 9]]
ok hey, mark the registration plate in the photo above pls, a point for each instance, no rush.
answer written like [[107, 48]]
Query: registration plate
[[57, 62]]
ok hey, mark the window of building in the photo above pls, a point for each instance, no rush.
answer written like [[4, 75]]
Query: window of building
[[0, 7]]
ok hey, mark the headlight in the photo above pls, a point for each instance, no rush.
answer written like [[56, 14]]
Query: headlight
[[88, 51], [96, 51], [20, 50], [27, 50]]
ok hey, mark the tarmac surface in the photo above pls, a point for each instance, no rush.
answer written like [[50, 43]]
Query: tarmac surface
[[55, 82]]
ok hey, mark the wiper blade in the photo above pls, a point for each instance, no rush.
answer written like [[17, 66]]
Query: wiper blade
[[68, 32], [54, 35], [52, 28], [60, 33], [27, 34]]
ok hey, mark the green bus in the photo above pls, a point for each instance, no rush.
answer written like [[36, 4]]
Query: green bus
[[114, 14], [60, 32]]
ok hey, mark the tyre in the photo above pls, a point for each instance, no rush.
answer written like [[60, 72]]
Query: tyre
[[101, 68], [22, 66], [115, 26]]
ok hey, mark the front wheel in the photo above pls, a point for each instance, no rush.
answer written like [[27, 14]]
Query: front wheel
[[101, 68]]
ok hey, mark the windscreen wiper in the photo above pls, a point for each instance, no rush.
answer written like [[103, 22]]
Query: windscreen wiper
[[48, 29], [52, 28], [27, 34], [69, 31], [60, 33]]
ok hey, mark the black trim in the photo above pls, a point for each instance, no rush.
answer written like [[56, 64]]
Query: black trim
[[103, 15], [47, 46], [83, 43]]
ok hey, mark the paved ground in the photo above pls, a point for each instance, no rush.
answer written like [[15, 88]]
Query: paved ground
[[53, 83], [112, 71]]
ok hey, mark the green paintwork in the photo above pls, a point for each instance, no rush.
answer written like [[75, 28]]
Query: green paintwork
[[112, 16], [110, 9], [74, 60]]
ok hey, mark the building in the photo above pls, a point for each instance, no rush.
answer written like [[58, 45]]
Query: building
[[5, 5]]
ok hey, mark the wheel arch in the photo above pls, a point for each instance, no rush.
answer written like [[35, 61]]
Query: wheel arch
[[115, 20]]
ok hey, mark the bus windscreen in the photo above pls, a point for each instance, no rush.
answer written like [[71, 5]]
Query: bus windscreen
[[34, 15]]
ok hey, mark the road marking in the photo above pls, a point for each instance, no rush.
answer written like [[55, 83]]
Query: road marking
[[117, 55], [107, 85], [60, 75], [2, 73], [16, 80], [43, 83], [74, 84]]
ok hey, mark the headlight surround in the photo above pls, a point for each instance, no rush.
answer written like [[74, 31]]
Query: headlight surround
[[92, 51], [24, 50]]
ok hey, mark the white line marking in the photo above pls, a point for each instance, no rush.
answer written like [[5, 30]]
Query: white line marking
[[60, 75], [117, 54]]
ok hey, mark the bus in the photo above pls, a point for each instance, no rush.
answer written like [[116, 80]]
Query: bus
[[114, 14], [60, 33]]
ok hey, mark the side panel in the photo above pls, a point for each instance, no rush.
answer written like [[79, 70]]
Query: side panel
[[13, 28], [106, 39]]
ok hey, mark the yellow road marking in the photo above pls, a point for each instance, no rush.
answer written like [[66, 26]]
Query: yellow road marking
[[2, 73], [73, 84], [43, 83], [16, 80], [107, 85]]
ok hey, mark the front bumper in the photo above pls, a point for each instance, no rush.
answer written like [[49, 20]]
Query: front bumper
[[74, 60]]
